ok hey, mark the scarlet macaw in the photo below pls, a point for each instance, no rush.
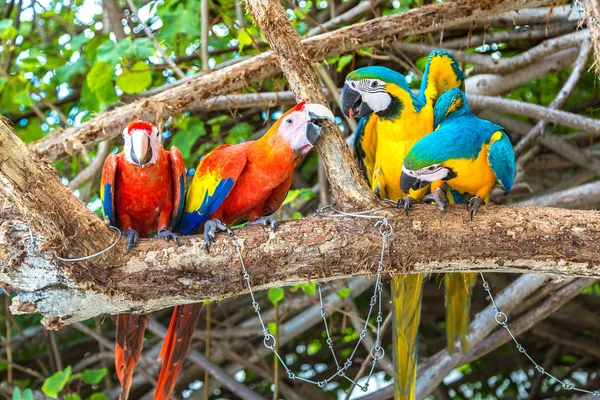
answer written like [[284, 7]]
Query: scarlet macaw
[[470, 155], [393, 119], [142, 194], [232, 184]]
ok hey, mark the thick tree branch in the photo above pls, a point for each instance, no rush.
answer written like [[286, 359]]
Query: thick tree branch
[[500, 239], [420, 20], [347, 185]]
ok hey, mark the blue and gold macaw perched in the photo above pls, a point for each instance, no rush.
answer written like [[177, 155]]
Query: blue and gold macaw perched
[[470, 155], [393, 119]]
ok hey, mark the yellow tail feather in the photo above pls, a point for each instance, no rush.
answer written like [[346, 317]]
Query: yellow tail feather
[[459, 289], [406, 298]]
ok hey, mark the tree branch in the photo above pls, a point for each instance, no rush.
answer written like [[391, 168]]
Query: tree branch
[[429, 18]]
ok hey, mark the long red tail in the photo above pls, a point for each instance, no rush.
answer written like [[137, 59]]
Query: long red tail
[[130, 341], [176, 345]]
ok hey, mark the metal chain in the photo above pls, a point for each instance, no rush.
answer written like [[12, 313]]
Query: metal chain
[[377, 352], [582, 10], [502, 320]]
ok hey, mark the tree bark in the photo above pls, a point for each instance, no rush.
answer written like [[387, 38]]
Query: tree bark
[[347, 186], [178, 99], [156, 274]]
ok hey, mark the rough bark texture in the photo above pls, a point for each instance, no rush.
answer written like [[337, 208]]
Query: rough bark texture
[[348, 187], [48, 205], [157, 275], [430, 18], [592, 14]]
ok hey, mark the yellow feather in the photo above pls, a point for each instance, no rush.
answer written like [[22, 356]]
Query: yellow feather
[[406, 297], [203, 186], [459, 289]]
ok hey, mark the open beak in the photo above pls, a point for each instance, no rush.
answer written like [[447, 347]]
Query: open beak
[[317, 115], [408, 182], [353, 104], [141, 151]]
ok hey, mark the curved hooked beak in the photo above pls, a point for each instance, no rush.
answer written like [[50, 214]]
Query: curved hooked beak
[[408, 182], [353, 104], [317, 115], [141, 151]]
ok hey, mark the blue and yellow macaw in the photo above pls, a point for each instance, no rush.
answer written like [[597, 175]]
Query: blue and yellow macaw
[[470, 155], [392, 120]]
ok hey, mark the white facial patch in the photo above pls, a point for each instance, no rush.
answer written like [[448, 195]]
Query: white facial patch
[[128, 143], [373, 93], [293, 129], [430, 173]]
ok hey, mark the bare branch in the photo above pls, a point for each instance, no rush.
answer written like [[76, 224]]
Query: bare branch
[[176, 100]]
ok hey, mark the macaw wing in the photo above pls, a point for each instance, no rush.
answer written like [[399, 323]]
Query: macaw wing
[[107, 188], [365, 146], [501, 157], [442, 73], [178, 178], [277, 196], [215, 177]]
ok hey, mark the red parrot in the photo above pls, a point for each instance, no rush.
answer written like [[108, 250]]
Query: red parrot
[[232, 184], [142, 194]]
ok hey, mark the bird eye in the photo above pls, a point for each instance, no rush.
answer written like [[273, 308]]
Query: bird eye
[[374, 84], [431, 168], [288, 121], [353, 85]]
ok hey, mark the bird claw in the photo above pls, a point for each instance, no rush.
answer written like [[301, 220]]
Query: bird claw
[[266, 221], [132, 238], [473, 205], [211, 227], [439, 198], [167, 235], [405, 202]]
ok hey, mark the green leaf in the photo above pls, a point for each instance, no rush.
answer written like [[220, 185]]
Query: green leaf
[[291, 196], [276, 295], [142, 48], [239, 132], [17, 394], [27, 394], [93, 376], [343, 61], [345, 292], [244, 39], [98, 396], [67, 71], [136, 80], [5, 24], [23, 97], [272, 326], [184, 139], [309, 288], [72, 396], [108, 53], [180, 18], [100, 83], [54, 384]]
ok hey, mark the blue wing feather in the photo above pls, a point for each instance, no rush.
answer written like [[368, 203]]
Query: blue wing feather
[[191, 221], [107, 204], [502, 160]]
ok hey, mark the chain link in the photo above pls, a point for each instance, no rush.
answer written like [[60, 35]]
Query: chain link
[[377, 351], [502, 320]]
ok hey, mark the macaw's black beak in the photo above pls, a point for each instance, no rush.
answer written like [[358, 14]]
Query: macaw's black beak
[[353, 104], [317, 115], [408, 182]]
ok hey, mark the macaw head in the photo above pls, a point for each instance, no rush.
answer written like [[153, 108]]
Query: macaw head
[[452, 103], [300, 127], [421, 167], [376, 90], [142, 143]]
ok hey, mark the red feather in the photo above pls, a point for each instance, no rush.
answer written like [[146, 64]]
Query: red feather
[[130, 341]]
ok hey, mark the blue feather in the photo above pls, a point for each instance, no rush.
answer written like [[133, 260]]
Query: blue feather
[[107, 204], [502, 160], [192, 221]]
